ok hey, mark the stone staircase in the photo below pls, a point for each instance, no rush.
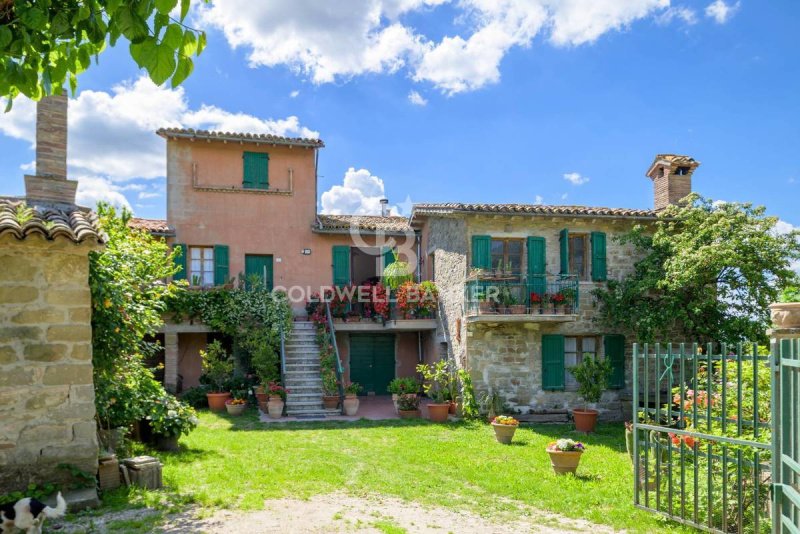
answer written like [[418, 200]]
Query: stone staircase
[[302, 372]]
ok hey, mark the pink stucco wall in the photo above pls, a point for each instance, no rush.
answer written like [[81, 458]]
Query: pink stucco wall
[[189, 363]]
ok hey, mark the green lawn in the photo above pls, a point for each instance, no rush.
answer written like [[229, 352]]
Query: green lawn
[[239, 462]]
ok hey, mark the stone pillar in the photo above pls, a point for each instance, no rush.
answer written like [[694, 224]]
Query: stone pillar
[[171, 361]]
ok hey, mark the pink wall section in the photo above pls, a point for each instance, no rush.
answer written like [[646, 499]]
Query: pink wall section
[[189, 363]]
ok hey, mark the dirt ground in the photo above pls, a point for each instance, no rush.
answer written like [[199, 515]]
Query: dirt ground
[[341, 513]]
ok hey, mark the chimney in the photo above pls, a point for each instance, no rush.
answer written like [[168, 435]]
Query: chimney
[[384, 207], [50, 183], [672, 178]]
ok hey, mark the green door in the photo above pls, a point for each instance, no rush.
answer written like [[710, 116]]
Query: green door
[[260, 265], [372, 361]]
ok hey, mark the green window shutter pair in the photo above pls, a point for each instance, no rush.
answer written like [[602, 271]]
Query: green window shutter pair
[[388, 257], [341, 265], [180, 261], [599, 269], [256, 170], [221, 262], [537, 265], [552, 362], [615, 353], [482, 252]]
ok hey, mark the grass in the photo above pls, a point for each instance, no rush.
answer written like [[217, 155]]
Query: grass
[[239, 462]]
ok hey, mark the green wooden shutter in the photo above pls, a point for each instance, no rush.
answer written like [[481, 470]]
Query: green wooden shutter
[[537, 265], [564, 242], [256, 170], [615, 353], [180, 261], [482, 251], [599, 270], [552, 362], [388, 257], [341, 265], [221, 254]]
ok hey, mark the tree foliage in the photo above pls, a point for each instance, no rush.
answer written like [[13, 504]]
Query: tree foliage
[[46, 43], [708, 271]]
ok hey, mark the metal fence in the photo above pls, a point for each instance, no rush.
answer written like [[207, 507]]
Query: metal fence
[[786, 457], [701, 435]]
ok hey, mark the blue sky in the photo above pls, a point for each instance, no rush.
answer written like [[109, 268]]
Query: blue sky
[[473, 101]]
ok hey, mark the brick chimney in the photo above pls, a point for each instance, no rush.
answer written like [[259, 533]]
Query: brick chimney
[[672, 178], [50, 183]]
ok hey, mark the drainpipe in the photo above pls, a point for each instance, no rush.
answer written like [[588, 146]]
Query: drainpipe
[[418, 239]]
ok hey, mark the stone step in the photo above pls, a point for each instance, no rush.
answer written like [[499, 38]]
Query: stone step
[[304, 406], [309, 382], [301, 398], [302, 366], [311, 415], [306, 390]]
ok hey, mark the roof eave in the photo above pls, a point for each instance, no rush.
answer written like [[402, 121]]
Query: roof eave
[[166, 134]]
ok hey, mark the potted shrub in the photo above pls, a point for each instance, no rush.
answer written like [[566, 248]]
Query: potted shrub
[[330, 390], [351, 401], [217, 369], [408, 406], [436, 386], [592, 375], [277, 400], [236, 406], [504, 428], [169, 419], [565, 455], [786, 312], [403, 386]]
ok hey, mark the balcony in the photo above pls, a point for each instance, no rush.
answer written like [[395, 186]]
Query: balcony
[[522, 299]]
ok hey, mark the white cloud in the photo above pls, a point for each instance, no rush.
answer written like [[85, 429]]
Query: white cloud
[[294, 94], [417, 99], [686, 14], [575, 178], [93, 189], [539, 199], [327, 43], [564, 196], [148, 194], [359, 194], [720, 11]]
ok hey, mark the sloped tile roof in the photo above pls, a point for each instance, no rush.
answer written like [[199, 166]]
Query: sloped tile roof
[[154, 226], [532, 209], [19, 219], [370, 223], [190, 133]]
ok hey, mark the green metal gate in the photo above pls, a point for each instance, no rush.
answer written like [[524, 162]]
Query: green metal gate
[[701, 435], [786, 415]]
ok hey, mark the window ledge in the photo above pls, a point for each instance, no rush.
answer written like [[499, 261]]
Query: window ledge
[[235, 189]]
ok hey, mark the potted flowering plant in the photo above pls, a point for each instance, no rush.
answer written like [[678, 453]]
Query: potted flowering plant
[[408, 406], [536, 303], [351, 401], [429, 299], [277, 400], [557, 300], [217, 369], [379, 302], [565, 455], [236, 406], [504, 428], [169, 419], [403, 386]]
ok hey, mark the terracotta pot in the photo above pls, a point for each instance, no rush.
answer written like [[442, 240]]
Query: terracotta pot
[[330, 402], [485, 307], [262, 397], [259, 390], [394, 401], [350, 403], [263, 405], [235, 409], [785, 314], [585, 420], [275, 407], [410, 414], [504, 433], [502, 309], [564, 462], [517, 309], [167, 443], [452, 409], [216, 401], [438, 412]]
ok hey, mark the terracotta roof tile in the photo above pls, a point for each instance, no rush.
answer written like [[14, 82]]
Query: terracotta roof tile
[[532, 209], [677, 159], [155, 226], [19, 219], [370, 223], [190, 133]]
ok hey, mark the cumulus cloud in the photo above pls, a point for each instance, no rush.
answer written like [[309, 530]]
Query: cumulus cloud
[[575, 178], [112, 134], [685, 14], [327, 43], [417, 99], [94, 189], [720, 11], [359, 194]]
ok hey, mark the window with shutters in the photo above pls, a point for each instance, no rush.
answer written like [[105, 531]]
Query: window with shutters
[[575, 348], [201, 266], [507, 255], [578, 255], [256, 170]]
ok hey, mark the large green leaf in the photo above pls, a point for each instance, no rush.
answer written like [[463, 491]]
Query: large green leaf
[[162, 65], [166, 6], [173, 37], [33, 18], [184, 69]]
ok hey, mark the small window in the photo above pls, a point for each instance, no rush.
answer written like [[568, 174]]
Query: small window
[[507, 255], [256, 170], [201, 266], [574, 350], [578, 256]]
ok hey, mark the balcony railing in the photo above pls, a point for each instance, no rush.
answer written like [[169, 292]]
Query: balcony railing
[[522, 295]]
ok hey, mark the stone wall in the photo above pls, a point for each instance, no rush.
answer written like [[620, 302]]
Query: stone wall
[[46, 388]]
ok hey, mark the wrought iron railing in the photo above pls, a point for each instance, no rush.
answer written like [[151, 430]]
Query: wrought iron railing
[[532, 294], [337, 365], [283, 357]]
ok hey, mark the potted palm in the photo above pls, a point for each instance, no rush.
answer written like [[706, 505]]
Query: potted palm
[[504, 428], [351, 401], [565, 455], [217, 370], [408, 406], [436, 386], [592, 375]]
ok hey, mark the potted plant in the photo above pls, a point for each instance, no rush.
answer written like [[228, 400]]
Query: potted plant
[[786, 312], [504, 428], [570, 297], [217, 369], [485, 305], [351, 401], [277, 400], [169, 419], [330, 390], [236, 406], [565, 455], [557, 300], [437, 379], [408, 406], [429, 300], [536, 303], [515, 307], [504, 300], [592, 375], [403, 386], [397, 273]]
